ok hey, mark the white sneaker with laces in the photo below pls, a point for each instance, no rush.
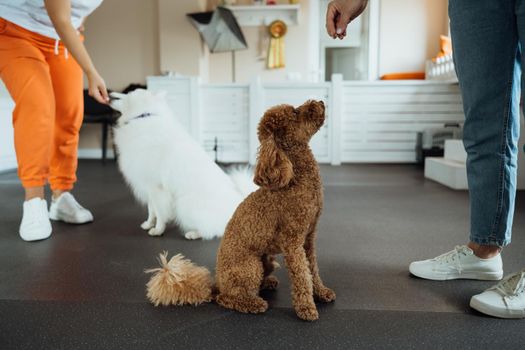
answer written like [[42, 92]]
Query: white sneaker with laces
[[35, 224], [460, 263], [504, 300], [66, 208]]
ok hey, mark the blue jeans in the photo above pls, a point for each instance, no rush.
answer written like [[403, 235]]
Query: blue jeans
[[487, 36]]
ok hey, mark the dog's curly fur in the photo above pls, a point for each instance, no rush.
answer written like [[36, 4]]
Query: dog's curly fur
[[280, 217]]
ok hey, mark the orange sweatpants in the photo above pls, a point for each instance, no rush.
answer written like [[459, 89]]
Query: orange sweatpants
[[46, 86]]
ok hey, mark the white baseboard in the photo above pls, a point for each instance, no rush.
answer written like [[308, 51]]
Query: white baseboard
[[7, 163], [93, 153]]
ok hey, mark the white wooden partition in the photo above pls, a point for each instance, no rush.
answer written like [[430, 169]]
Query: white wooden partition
[[379, 121], [366, 121]]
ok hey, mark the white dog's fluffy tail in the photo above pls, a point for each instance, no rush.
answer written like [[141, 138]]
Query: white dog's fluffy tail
[[242, 177]]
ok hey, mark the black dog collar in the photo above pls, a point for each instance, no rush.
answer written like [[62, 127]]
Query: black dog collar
[[143, 115]]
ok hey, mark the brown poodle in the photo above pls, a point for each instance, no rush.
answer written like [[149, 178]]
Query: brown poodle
[[280, 217]]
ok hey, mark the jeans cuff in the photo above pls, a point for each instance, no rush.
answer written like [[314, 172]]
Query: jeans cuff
[[492, 241]]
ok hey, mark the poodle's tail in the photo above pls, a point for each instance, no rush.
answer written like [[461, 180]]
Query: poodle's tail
[[242, 177], [178, 282]]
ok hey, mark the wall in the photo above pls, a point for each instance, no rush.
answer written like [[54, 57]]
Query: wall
[[409, 33], [131, 39], [252, 62], [154, 35], [181, 49], [122, 38]]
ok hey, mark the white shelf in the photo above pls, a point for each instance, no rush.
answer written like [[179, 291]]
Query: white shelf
[[257, 15]]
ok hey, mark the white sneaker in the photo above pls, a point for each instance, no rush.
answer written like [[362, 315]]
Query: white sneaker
[[460, 263], [66, 208], [504, 300], [35, 224]]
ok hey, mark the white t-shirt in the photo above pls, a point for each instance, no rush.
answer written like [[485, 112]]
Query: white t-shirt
[[32, 14]]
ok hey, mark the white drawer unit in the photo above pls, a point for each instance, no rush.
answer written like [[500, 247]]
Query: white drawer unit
[[224, 121], [7, 149]]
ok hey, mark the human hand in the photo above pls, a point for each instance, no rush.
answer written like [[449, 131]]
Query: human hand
[[340, 13], [97, 88]]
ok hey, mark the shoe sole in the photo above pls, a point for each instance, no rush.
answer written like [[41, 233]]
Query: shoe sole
[[487, 310], [46, 236], [35, 239], [54, 217], [481, 276]]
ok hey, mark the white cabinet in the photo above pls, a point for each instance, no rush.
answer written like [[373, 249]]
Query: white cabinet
[[215, 115], [7, 150], [224, 121]]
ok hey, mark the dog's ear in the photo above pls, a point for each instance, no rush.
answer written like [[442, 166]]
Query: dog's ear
[[274, 169]]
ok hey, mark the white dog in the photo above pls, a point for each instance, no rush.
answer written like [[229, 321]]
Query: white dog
[[170, 172]]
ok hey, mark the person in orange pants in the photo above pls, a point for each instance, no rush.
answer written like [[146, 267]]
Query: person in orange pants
[[42, 59]]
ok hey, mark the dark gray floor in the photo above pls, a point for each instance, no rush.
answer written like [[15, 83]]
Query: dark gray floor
[[84, 287]]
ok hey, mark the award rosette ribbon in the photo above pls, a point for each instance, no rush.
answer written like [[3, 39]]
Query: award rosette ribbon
[[277, 31]]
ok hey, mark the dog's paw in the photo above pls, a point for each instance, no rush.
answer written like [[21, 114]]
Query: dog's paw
[[270, 283], [155, 232], [252, 304], [307, 312], [255, 306], [325, 295], [147, 225], [192, 235]]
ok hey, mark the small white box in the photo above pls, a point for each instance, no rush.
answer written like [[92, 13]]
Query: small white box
[[454, 150], [447, 172]]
